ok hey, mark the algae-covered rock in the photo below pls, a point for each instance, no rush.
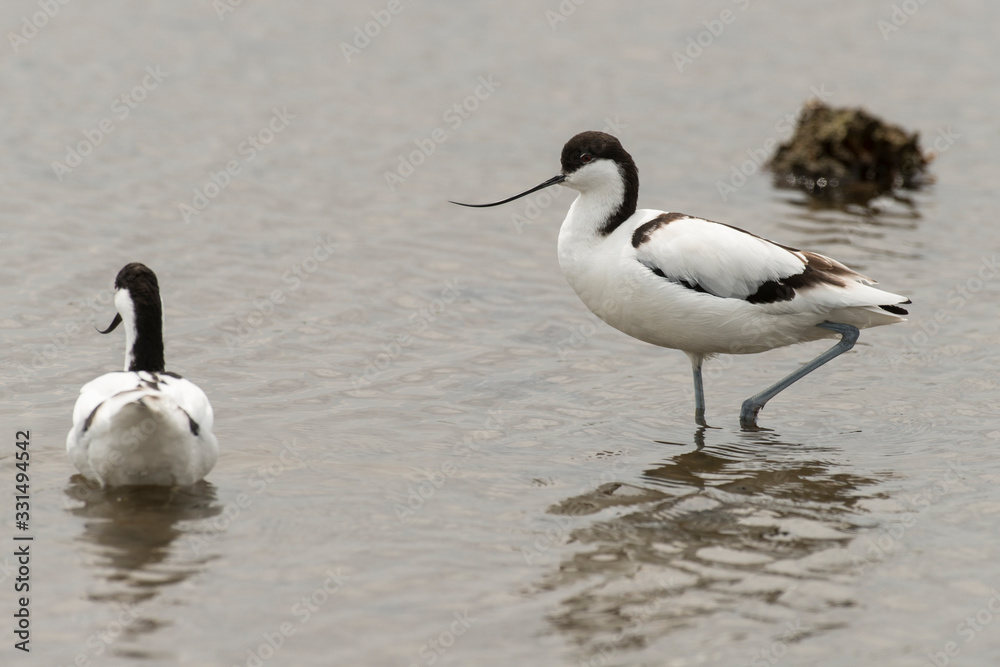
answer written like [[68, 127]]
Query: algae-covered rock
[[847, 154]]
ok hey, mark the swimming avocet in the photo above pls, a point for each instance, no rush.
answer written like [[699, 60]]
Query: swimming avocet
[[699, 286], [142, 426]]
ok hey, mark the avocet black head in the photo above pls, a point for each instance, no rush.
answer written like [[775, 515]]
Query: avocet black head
[[137, 298], [594, 161]]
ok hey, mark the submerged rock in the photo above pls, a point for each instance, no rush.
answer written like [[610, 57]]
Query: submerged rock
[[848, 154]]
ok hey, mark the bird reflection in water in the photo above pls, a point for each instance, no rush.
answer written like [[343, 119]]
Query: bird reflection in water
[[731, 528], [133, 532]]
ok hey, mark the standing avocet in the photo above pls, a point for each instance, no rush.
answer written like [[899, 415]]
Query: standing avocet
[[695, 285], [142, 426]]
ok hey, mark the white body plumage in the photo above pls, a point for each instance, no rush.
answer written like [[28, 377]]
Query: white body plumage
[[140, 428], [627, 286]]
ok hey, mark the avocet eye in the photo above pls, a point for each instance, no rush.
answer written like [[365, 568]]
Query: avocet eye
[[586, 157]]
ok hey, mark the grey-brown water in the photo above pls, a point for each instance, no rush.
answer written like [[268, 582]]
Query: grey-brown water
[[432, 453]]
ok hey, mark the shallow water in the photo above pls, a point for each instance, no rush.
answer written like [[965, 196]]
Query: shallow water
[[432, 452]]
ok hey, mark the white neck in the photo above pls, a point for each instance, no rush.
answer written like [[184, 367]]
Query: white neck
[[587, 249], [123, 302], [602, 191]]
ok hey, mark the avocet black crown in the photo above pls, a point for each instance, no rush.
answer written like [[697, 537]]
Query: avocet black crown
[[136, 275], [589, 146]]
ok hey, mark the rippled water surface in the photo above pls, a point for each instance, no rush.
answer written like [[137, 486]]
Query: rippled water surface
[[432, 453]]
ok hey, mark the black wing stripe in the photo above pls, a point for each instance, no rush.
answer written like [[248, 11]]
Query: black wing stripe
[[896, 310], [679, 281], [772, 291], [90, 417], [818, 271], [644, 231], [192, 424]]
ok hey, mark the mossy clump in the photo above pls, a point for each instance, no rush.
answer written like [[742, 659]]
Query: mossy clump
[[848, 154]]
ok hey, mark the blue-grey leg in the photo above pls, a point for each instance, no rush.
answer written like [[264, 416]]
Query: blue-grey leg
[[699, 390], [848, 337]]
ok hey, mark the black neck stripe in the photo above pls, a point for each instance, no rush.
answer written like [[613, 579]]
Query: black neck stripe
[[630, 176]]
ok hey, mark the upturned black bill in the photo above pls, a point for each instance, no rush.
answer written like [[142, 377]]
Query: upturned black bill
[[552, 181], [114, 323]]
